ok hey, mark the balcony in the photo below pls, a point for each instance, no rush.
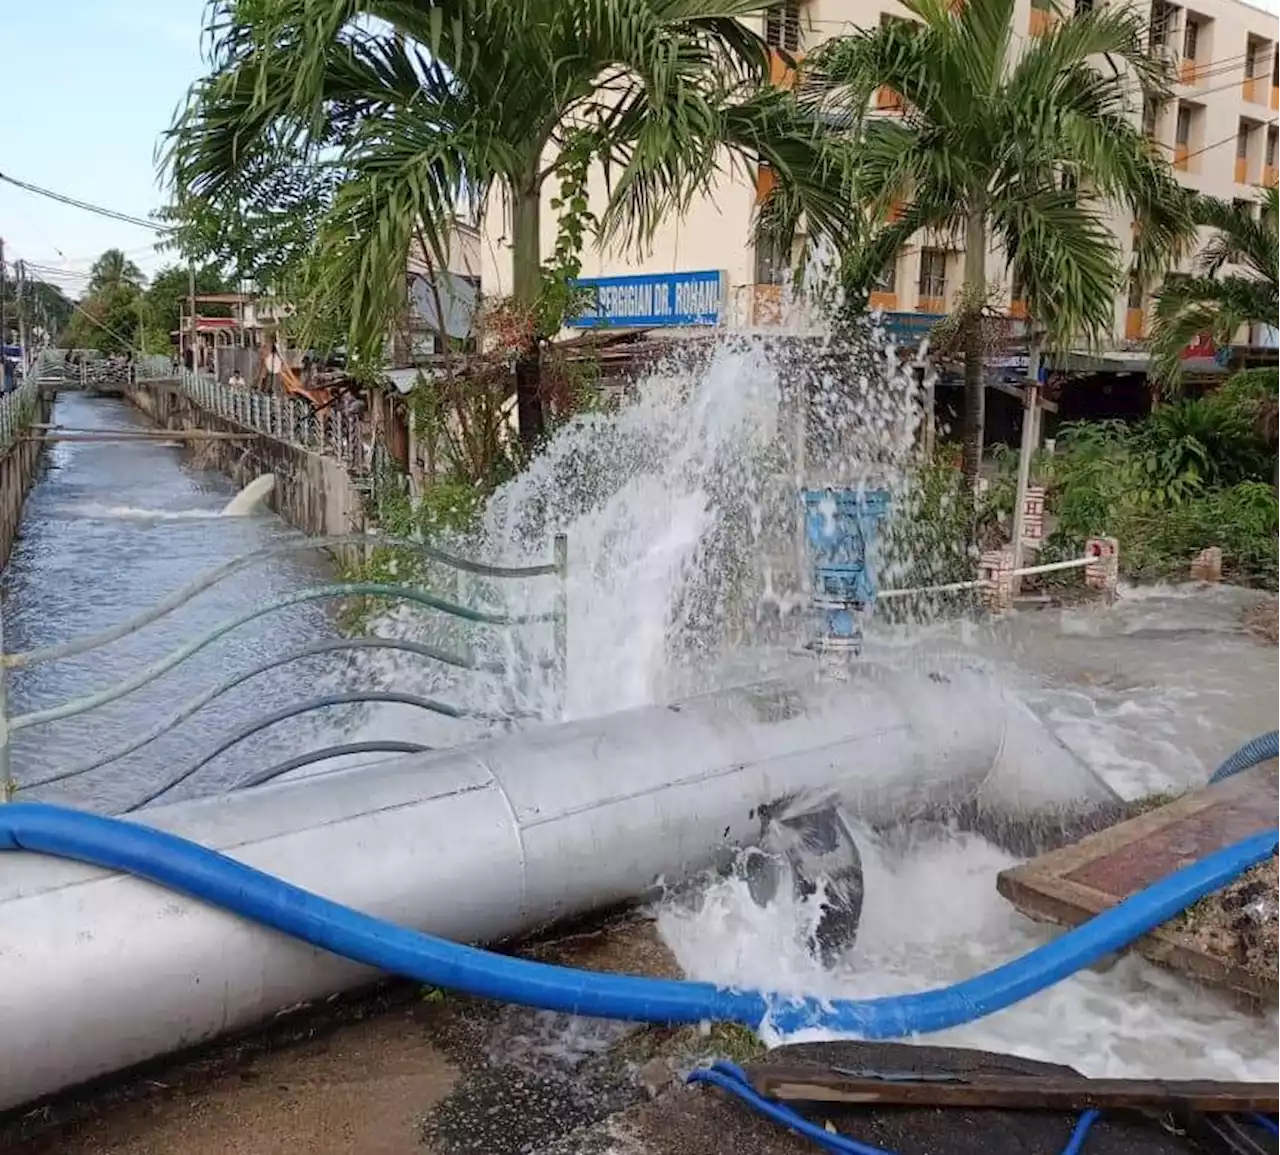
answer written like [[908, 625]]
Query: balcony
[[1275, 98], [1242, 170], [1182, 157], [887, 100], [1188, 71], [1018, 310], [885, 301], [1252, 90], [1041, 21], [935, 305], [1268, 176], [1135, 324]]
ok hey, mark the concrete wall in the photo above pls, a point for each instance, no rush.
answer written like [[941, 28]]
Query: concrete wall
[[18, 469], [312, 493]]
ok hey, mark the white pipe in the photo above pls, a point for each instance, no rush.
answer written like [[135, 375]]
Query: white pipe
[[1050, 567], [99, 971]]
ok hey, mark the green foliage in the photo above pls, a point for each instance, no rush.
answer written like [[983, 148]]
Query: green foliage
[[108, 319], [559, 298], [1209, 302], [381, 122], [928, 539], [994, 122], [1196, 473], [41, 305]]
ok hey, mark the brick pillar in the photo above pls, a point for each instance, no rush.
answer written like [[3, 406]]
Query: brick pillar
[[1103, 571], [1033, 514], [1206, 566], [995, 572]]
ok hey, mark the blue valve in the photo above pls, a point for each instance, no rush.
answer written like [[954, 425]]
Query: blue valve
[[841, 526]]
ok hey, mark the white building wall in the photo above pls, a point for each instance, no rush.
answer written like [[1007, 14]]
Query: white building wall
[[1214, 91]]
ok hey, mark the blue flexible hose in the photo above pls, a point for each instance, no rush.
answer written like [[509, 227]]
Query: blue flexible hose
[[223, 882], [733, 1079], [1253, 753]]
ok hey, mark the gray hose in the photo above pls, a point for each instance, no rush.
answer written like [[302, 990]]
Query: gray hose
[[180, 597], [1253, 753], [297, 708], [262, 777], [201, 700]]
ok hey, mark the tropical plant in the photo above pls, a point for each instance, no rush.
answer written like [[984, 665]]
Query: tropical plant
[[114, 270], [418, 110], [1027, 143], [1214, 302]]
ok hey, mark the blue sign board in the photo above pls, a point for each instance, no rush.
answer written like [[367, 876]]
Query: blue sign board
[[649, 300], [910, 328]]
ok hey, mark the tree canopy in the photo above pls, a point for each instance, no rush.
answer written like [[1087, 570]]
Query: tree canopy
[[1234, 282], [1027, 143], [387, 118]]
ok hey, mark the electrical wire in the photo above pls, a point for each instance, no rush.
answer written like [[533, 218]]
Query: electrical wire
[[62, 198]]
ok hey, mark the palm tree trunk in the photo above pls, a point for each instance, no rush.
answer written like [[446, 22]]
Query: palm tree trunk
[[975, 389], [526, 278]]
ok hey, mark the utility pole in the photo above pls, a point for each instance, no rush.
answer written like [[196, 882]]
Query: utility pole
[[1030, 443], [4, 323], [22, 320], [191, 304]]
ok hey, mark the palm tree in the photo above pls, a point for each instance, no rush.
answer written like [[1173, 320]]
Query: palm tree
[[448, 103], [1027, 143], [1209, 301], [113, 270]]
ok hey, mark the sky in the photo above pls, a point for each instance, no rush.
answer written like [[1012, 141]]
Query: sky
[[90, 86]]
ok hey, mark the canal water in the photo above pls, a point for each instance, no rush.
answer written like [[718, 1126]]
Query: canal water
[[108, 530]]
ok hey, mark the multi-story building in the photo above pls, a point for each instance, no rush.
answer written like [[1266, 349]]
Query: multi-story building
[[1219, 130]]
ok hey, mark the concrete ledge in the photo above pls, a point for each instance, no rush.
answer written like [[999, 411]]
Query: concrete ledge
[[313, 493], [1071, 885], [19, 466]]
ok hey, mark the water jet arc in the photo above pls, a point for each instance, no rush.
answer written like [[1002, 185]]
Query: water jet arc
[[250, 497], [101, 971]]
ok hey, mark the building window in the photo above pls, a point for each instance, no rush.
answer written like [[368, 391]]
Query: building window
[[1242, 142], [1271, 149], [1150, 118], [933, 274], [1040, 5], [1190, 40], [1242, 206], [1163, 19], [1135, 291], [1084, 6], [1183, 134], [1069, 181], [772, 264], [1017, 286], [782, 25], [887, 281]]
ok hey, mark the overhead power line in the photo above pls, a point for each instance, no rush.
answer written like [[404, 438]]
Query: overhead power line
[[62, 198]]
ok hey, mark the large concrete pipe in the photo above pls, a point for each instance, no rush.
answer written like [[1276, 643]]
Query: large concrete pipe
[[99, 971]]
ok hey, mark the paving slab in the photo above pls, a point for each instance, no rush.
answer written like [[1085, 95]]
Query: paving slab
[[1071, 885]]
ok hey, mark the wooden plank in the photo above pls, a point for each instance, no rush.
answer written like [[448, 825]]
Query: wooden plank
[[806, 1083], [1071, 885]]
